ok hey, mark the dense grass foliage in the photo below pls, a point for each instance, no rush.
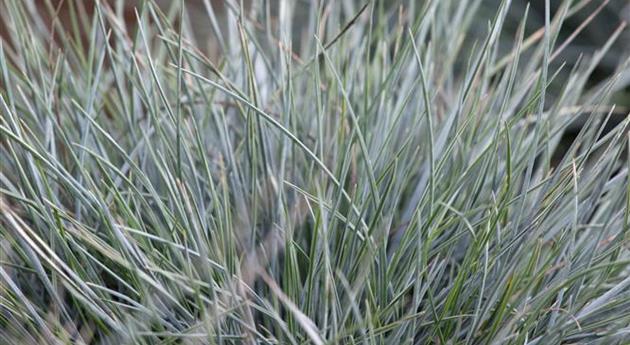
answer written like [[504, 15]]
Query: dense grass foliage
[[367, 174]]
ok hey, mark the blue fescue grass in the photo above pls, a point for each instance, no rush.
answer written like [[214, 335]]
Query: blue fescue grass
[[386, 178]]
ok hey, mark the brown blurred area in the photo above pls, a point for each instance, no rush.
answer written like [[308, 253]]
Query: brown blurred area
[[51, 16]]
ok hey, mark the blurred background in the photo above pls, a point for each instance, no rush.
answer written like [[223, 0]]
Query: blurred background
[[208, 24]]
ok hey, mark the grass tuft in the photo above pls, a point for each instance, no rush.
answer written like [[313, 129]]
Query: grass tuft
[[363, 172]]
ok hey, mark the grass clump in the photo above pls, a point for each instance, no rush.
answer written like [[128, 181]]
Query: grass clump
[[370, 174]]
